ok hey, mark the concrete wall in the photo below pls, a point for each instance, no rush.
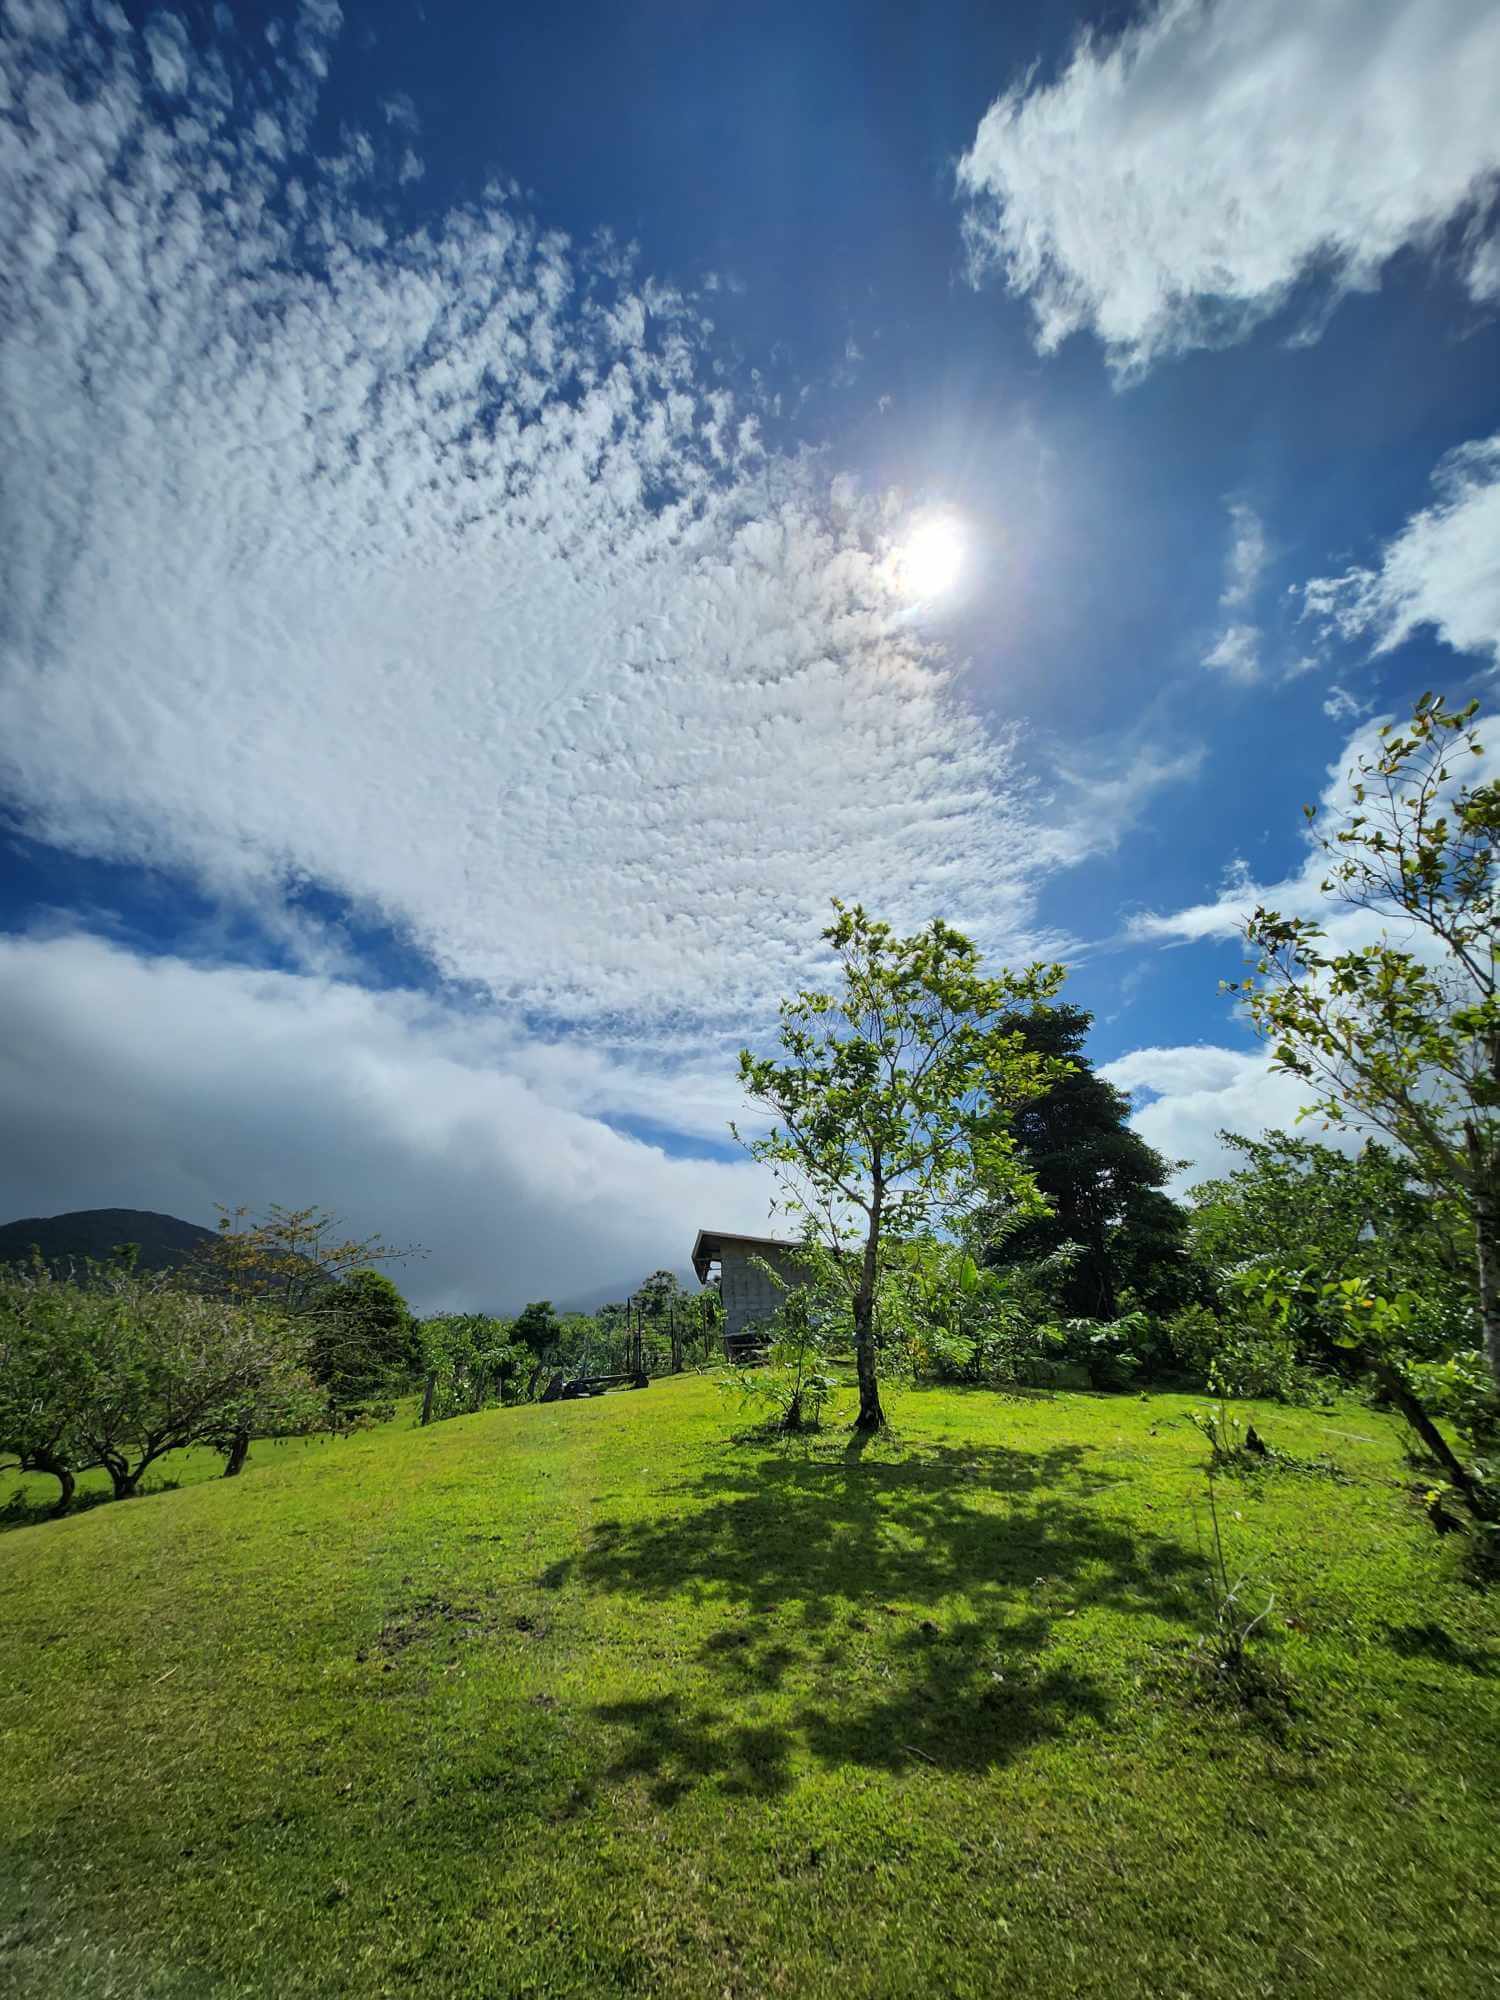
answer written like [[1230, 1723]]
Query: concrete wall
[[750, 1298]]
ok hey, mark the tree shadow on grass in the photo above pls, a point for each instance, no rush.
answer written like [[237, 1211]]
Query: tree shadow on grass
[[838, 1577], [1434, 1642], [678, 1743]]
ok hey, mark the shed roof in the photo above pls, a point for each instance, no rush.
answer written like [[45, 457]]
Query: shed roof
[[710, 1246]]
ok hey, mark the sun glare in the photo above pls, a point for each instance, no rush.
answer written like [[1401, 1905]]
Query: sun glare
[[932, 557]]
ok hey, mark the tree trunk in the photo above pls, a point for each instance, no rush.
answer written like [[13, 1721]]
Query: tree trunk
[[871, 1417], [1406, 1401], [427, 1395], [239, 1451], [44, 1461], [1486, 1247], [123, 1480]]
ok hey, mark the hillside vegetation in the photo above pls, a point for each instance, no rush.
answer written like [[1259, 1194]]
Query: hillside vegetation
[[588, 1698]]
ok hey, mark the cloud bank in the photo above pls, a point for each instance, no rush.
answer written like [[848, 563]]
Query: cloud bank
[[223, 1084], [1175, 183], [1195, 1091], [436, 564]]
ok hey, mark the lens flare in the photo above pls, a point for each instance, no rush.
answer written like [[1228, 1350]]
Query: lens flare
[[932, 557]]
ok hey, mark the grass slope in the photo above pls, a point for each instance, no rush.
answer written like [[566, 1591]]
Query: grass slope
[[584, 1699]]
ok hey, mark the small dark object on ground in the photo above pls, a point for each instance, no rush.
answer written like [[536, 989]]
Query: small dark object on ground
[[596, 1385]]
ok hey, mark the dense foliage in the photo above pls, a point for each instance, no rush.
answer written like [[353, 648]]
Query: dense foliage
[[121, 1370], [1101, 1181]]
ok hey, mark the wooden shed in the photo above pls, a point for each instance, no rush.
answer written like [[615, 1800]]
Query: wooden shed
[[750, 1297]]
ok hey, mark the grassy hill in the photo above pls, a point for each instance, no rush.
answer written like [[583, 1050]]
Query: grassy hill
[[584, 1699]]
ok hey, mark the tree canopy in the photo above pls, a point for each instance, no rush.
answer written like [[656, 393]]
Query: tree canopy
[[1101, 1180], [892, 1098], [1401, 1034]]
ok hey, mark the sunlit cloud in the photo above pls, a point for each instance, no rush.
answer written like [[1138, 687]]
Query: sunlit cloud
[[1442, 569], [1179, 179], [439, 566]]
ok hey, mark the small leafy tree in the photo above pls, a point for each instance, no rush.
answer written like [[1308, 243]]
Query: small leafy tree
[[793, 1378], [121, 1370], [1404, 1034], [658, 1292], [892, 1097], [362, 1337], [1297, 1205], [46, 1376], [468, 1358], [288, 1257], [537, 1327], [1379, 1326]]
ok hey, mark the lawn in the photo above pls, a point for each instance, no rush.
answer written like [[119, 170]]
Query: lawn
[[590, 1698]]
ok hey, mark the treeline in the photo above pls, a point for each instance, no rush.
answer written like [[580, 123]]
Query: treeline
[[280, 1326], [469, 1359]]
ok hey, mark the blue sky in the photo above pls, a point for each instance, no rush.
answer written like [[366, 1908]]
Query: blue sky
[[457, 632]]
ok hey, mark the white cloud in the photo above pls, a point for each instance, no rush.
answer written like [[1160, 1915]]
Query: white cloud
[[1175, 183], [438, 567], [1341, 706], [1237, 650], [1299, 893], [1097, 796], [1443, 569], [1247, 557], [1196, 1091], [1236, 654], [223, 1084]]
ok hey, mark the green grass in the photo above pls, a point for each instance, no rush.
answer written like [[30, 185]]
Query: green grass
[[587, 1699]]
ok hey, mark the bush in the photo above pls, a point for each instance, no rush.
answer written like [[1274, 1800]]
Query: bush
[[1237, 1357], [792, 1382], [469, 1361], [1116, 1353], [1462, 1390]]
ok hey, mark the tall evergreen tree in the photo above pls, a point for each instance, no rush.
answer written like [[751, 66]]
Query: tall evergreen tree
[[1103, 1183]]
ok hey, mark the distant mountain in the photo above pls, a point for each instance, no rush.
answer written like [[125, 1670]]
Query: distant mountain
[[164, 1240]]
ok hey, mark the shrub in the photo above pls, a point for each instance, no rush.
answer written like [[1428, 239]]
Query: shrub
[[1239, 1357], [793, 1381], [469, 1360], [1115, 1353], [1462, 1390]]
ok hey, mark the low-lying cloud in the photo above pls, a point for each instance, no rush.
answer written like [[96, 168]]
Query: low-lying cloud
[[221, 1084]]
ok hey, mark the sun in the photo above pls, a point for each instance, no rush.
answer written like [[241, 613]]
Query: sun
[[932, 557]]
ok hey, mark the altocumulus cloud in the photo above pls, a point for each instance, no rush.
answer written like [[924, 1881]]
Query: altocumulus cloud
[[1175, 183], [435, 564]]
